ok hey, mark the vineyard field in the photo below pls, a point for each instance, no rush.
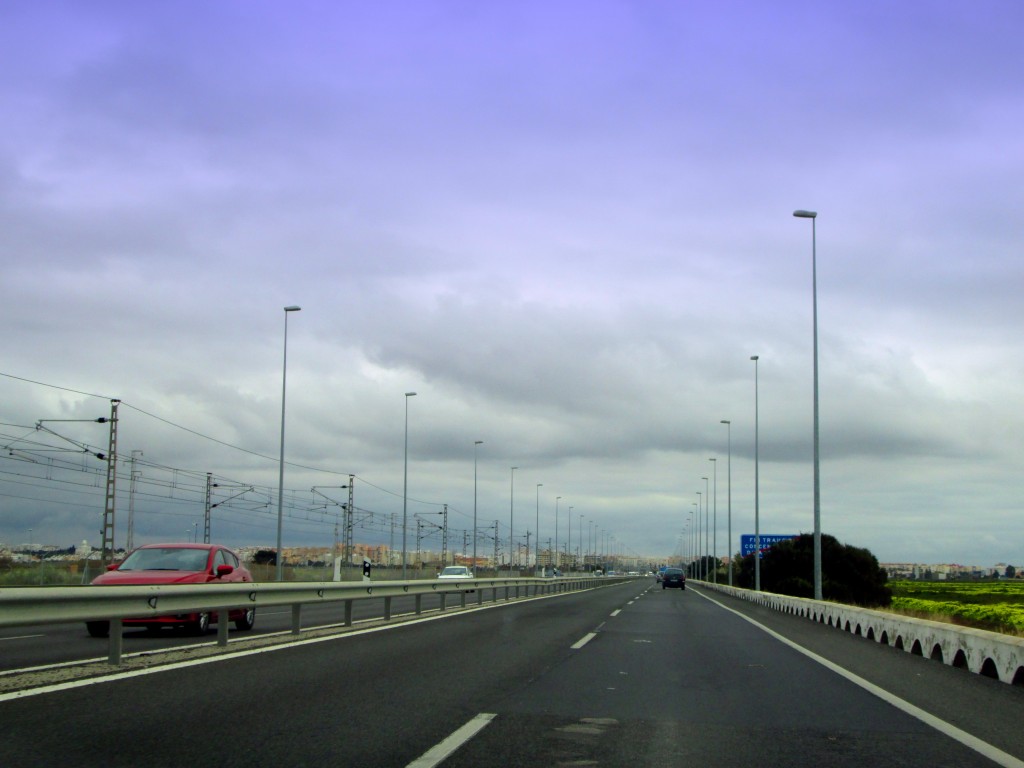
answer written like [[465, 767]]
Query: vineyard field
[[992, 605]]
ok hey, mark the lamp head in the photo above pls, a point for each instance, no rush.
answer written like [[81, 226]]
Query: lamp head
[[806, 214], [292, 309]]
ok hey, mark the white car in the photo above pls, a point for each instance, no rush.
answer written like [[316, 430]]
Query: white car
[[456, 572]]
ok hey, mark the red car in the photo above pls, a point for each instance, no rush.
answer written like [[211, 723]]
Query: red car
[[177, 564]]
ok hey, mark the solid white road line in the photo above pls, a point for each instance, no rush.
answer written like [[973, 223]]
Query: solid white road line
[[993, 753], [439, 753]]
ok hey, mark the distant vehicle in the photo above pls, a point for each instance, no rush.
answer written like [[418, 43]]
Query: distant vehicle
[[177, 564], [456, 572], [673, 577]]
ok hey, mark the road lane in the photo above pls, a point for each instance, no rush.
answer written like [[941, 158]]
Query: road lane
[[665, 677], [989, 709], [674, 679], [378, 698], [41, 645]]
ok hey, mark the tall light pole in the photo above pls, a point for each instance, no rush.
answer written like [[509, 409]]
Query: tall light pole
[[405, 485], [554, 562], [813, 216], [700, 534], [593, 541], [757, 489], [695, 538], [685, 562], [579, 550], [707, 526], [279, 557], [536, 544], [476, 444], [728, 426], [714, 524], [511, 516], [568, 542]]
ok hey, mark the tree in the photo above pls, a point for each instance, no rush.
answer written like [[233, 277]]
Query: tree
[[265, 557], [1011, 572], [848, 574], [703, 566]]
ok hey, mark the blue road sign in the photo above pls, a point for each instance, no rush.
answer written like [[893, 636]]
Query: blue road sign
[[748, 546]]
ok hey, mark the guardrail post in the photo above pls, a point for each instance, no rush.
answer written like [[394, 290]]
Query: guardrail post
[[348, 613], [296, 618], [463, 599], [223, 619], [116, 642], [419, 604], [444, 600], [387, 608]]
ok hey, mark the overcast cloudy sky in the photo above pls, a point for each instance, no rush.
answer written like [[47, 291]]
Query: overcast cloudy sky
[[566, 226]]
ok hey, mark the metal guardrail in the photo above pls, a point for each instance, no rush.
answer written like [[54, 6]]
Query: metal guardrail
[[21, 606]]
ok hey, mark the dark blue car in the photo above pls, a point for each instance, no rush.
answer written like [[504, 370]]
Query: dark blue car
[[673, 577]]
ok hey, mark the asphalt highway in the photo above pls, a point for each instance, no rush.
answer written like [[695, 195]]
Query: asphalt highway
[[624, 675]]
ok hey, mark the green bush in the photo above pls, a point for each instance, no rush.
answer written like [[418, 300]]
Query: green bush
[[849, 574], [999, 616]]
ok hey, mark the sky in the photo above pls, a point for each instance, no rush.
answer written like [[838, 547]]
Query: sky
[[567, 226]]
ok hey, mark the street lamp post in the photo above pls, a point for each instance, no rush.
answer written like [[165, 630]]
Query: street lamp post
[[728, 425], [591, 547], [700, 534], [405, 486], [757, 488], [568, 541], [694, 540], [707, 527], [536, 544], [476, 443], [580, 556], [511, 516], [279, 557], [689, 545], [813, 216], [714, 524], [554, 555]]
